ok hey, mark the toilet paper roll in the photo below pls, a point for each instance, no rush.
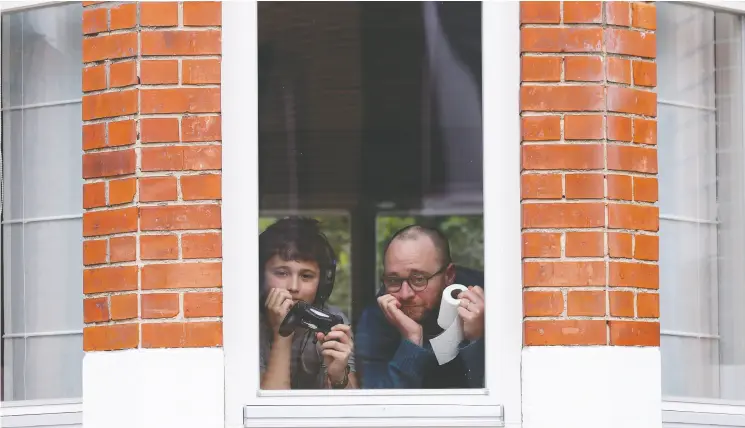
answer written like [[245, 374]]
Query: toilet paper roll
[[445, 345]]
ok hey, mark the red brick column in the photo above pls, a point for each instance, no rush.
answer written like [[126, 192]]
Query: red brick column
[[589, 167], [152, 165]]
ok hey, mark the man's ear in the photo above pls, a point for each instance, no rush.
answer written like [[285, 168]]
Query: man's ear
[[450, 274]]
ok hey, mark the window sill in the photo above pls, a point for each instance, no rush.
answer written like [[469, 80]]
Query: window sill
[[41, 413], [373, 415], [702, 412]]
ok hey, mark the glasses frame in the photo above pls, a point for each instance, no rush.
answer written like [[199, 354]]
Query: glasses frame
[[408, 280]]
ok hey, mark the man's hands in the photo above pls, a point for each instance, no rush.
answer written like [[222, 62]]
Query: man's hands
[[336, 347], [278, 303], [471, 310], [408, 328]]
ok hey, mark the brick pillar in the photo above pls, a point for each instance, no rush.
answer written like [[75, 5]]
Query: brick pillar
[[590, 215], [152, 169]]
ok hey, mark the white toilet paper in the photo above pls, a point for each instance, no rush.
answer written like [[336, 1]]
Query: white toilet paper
[[445, 345]]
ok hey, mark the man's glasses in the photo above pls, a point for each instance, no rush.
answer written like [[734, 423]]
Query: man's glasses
[[417, 281]]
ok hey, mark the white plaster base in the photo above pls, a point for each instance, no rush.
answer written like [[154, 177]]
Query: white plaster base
[[154, 388], [591, 387]]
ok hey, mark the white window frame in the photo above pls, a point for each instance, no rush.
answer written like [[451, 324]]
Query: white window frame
[[681, 411], [37, 413], [499, 404]]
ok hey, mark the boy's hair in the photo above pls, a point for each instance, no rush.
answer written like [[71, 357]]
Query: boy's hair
[[299, 239]]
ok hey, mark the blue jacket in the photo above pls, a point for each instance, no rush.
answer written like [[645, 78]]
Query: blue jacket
[[386, 360]]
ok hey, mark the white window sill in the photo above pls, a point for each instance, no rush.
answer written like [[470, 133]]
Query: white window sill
[[699, 412], [41, 413], [374, 415]]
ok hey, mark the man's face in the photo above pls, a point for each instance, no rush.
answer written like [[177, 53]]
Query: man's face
[[417, 256], [299, 278]]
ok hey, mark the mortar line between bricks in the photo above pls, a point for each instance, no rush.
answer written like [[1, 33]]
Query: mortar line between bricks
[[154, 29], [592, 318], [586, 26], [589, 172], [566, 142], [559, 54], [540, 113], [598, 259], [176, 144], [548, 288], [585, 83]]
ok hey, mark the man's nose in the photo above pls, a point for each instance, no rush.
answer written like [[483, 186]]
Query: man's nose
[[406, 292]]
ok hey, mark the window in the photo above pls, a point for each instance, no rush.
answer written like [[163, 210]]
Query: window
[[702, 204], [350, 124], [41, 211]]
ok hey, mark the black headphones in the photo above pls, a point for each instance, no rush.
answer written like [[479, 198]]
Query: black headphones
[[327, 267], [328, 274]]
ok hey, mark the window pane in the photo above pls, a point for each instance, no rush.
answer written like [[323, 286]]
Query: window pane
[[38, 377], [372, 110], [14, 311], [691, 366], [52, 161], [13, 164], [685, 40], [53, 292], [52, 53], [688, 265], [688, 163], [42, 149], [702, 202], [12, 28]]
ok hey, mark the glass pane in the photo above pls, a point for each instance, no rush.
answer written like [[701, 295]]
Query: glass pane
[[47, 367], [54, 268], [14, 354], [14, 311], [41, 147], [12, 157], [702, 190], [685, 63], [12, 28], [52, 161], [690, 368], [688, 277], [52, 53], [373, 110], [687, 163]]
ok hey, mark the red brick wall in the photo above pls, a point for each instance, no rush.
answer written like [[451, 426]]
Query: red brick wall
[[152, 161], [589, 173], [152, 168]]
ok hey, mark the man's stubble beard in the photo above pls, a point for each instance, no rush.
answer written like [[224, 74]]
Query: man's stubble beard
[[416, 313]]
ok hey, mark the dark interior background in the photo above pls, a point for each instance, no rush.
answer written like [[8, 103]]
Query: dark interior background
[[349, 119]]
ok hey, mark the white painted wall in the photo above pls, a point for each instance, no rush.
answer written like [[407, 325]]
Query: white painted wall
[[591, 387], [154, 388]]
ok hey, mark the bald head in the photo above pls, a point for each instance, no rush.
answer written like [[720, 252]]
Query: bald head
[[415, 232]]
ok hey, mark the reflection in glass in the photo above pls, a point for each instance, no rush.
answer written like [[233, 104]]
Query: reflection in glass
[[370, 120], [42, 202], [702, 184]]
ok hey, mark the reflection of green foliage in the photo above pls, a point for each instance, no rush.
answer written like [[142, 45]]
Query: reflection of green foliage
[[337, 230], [466, 235]]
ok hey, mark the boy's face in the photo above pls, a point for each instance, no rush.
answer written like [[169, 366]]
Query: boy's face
[[300, 278]]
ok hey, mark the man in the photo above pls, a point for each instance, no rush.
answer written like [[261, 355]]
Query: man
[[392, 340]]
